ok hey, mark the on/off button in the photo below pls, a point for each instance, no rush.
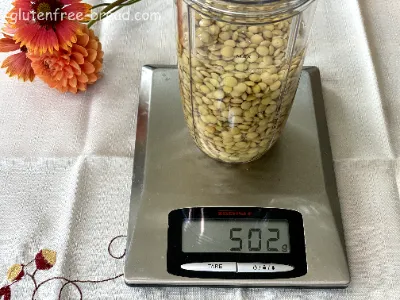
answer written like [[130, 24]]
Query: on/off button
[[211, 267]]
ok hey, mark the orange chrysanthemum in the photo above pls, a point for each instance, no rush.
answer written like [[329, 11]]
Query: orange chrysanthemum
[[73, 69], [17, 64], [47, 25]]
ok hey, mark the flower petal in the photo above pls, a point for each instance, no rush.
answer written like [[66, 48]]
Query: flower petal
[[97, 65], [25, 33], [22, 4], [52, 42], [7, 29], [80, 49], [59, 75], [92, 54], [92, 78], [78, 11], [88, 68], [66, 2], [77, 67], [73, 82], [27, 73], [68, 72], [73, 90], [66, 32], [78, 57], [93, 44], [19, 65], [7, 45], [82, 86], [83, 78], [83, 40], [100, 56]]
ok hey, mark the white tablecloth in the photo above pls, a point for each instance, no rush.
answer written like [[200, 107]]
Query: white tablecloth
[[66, 160]]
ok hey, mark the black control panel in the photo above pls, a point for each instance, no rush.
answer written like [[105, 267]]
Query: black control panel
[[236, 243]]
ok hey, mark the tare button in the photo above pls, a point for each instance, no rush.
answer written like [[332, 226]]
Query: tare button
[[262, 268], [211, 267]]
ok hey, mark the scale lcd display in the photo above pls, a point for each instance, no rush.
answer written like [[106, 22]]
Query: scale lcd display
[[240, 236]]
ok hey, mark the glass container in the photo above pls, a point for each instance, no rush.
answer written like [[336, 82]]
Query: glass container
[[239, 67]]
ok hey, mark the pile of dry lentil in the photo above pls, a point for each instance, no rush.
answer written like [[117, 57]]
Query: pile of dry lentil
[[237, 86]]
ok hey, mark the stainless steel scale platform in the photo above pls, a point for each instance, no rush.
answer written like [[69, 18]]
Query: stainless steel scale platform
[[175, 183]]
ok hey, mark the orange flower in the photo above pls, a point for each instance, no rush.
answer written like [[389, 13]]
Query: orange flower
[[17, 64], [8, 29], [73, 69], [47, 25]]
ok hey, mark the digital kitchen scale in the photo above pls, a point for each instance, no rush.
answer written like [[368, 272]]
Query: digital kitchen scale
[[195, 221]]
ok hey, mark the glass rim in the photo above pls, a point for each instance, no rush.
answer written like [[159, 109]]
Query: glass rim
[[251, 8]]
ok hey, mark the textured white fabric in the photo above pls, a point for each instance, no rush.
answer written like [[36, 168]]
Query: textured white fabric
[[66, 161]]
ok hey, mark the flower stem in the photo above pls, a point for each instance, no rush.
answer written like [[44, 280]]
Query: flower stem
[[123, 4], [100, 5], [109, 9]]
